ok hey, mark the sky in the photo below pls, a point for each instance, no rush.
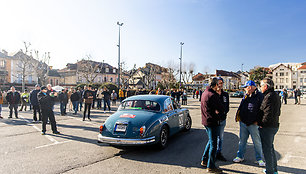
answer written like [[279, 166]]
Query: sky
[[217, 34]]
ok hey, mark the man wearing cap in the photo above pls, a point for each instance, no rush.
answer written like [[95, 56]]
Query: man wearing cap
[[248, 115], [46, 105], [34, 103], [224, 98]]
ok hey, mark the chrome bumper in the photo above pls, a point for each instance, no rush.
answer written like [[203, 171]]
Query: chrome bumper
[[123, 141]]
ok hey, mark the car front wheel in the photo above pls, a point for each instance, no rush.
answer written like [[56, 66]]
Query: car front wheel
[[188, 123]]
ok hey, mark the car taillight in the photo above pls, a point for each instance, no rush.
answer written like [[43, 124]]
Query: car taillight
[[101, 128], [142, 130]]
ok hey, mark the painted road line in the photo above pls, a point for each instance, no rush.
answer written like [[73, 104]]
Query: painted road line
[[47, 145], [35, 127]]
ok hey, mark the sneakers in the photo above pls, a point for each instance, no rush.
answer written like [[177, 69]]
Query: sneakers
[[260, 163], [57, 132], [238, 160], [220, 157], [43, 133], [214, 170]]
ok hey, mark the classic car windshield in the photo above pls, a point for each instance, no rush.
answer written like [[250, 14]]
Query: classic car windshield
[[140, 105]]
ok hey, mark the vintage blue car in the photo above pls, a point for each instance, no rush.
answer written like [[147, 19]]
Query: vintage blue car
[[145, 119]]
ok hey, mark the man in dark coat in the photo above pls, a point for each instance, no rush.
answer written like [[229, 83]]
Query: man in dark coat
[[46, 105], [63, 99], [224, 98], [34, 103], [269, 123], [13, 99], [211, 107], [106, 98], [248, 113], [88, 96]]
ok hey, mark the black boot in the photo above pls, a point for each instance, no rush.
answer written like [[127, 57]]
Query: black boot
[[220, 157]]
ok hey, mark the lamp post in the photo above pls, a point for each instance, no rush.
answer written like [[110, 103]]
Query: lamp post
[[120, 25], [181, 43]]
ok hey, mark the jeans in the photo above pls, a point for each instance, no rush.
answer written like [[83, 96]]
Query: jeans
[[15, 107], [220, 136], [99, 103], [245, 131], [267, 139], [35, 110], [87, 107], [75, 106], [108, 104], [81, 105], [209, 154], [63, 108]]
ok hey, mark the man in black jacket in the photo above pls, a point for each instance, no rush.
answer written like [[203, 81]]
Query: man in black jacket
[[248, 113], [63, 99], [13, 99], [46, 105], [34, 103], [224, 98], [269, 123]]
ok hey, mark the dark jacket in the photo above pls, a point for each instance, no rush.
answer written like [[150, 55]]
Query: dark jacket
[[75, 97], [45, 101], [33, 97], [106, 95], [270, 109], [13, 98], [63, 97], [224, 98], [210, 103], [86, 96], [249, 108]]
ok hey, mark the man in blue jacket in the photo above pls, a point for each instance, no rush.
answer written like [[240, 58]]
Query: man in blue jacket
[[35, 104], [248, 115]]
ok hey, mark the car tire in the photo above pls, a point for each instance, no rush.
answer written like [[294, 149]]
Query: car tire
[[188, 124], [163, 137]]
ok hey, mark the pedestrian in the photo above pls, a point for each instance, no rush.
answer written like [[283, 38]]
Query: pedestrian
[[211, 107], [269, 124], [46, 104], [298, 93], [75, 100], [88, 99], [24, 100], [80, 92], [178, 95], [224, 98], [128, 93], [114, 98], [1, 103], [69, 93], [197, 93], [284, 95], [63, 99], [248, 116], [173, 94], [193, 93], [184, 98], [99, 98], [51, 92], [94, 97], [200, 92], [13, 99], [106, 99], [35, 104], [121, 95]]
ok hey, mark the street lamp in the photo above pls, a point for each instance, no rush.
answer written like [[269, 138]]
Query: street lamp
[[181, 43], [119, 24]]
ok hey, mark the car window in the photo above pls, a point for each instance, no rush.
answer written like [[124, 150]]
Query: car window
[[140, 105], [168, 105]]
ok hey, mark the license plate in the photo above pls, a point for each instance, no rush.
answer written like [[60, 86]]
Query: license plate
[[120, 128]]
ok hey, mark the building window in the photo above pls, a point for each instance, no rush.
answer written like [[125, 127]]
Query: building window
[[276, 87], [107, 70], [276, 80], [281, 80], [287, 80], [286, 73], [276, 74], [2, 63], [281, 69], [301, 80], [281, 74], [294, 81], [281, 86], [114, 71]]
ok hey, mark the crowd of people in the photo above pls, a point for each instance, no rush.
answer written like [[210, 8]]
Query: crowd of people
[[258, 116]]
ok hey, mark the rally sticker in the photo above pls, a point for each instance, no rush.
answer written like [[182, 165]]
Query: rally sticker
[[127, 116]]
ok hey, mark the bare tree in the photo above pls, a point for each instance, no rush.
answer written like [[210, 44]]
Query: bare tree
[[41, 67], [24, 66], [88, 69], [187, 72]]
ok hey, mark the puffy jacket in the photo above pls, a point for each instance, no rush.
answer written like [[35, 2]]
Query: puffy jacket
[[249, 108], [63, 97], [45, 101], [210, 103], [13, 99], [75, 96], [33, 97], [270, 109]]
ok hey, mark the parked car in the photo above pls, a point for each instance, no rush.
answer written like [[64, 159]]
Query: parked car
[[145, 119], [237, 94]]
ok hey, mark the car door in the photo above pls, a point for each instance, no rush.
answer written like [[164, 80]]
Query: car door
[[172, 116], [179, 116]]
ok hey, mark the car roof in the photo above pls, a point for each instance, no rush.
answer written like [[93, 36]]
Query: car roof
[[157, 98]]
